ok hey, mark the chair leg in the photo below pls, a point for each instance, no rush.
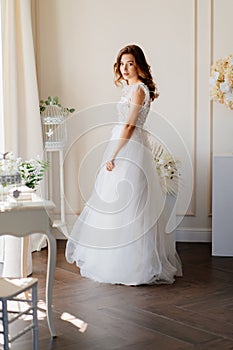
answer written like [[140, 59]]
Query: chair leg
[[35, 321], [5, 324]]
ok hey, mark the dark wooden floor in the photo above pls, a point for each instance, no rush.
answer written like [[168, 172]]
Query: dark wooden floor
[[194, 313]]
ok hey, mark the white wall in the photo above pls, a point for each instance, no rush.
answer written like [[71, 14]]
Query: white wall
[[77, 42]]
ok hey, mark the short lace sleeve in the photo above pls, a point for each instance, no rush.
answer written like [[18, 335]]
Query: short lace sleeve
[[124, 104], [142, 87]]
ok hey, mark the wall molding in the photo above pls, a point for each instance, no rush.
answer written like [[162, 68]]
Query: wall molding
[[191, 211], [198, 235], [211, 58], [195, 46]]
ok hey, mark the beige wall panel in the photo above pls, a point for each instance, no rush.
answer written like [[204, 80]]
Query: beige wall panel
[[77, 41]]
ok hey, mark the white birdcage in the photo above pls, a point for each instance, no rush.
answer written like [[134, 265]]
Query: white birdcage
[[54, 128]]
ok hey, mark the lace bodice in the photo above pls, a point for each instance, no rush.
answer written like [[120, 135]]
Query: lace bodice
[[124, 104]]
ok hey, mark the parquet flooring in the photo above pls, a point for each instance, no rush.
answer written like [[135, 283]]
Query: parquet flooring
[[196, 312]]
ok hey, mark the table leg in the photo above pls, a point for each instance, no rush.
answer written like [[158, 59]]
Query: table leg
[[25, 255], [52, 251], [25, 261]]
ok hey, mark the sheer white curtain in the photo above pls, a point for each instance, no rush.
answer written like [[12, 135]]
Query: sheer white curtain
[[21, 126], [1, 125], [1, 84]]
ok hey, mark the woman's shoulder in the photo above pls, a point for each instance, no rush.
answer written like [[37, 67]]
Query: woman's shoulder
[[140, 93], [139, 88], [141, 85]]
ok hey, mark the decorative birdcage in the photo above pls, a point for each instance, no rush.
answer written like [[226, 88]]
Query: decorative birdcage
[[54, 128]]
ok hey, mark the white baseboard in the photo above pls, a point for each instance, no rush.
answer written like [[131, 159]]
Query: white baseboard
[[183, 234], [58, 232], [194, 235]]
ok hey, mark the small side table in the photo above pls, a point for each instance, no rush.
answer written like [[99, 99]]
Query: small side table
[[22, 218], [222, 211]]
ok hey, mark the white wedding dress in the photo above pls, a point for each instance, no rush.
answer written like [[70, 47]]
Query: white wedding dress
[[120, 235]]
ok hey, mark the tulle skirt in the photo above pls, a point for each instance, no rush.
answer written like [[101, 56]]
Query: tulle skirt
[[120, 236]]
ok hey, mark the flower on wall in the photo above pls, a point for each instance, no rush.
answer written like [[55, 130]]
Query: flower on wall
[[221, 81]]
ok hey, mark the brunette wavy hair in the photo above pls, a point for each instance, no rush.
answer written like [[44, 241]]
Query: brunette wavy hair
[[144, 70]]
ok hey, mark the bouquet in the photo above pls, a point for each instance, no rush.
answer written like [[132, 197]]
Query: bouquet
[[221, 81], [167, 168]]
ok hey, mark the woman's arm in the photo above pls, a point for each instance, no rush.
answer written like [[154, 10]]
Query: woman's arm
[[137, 101]]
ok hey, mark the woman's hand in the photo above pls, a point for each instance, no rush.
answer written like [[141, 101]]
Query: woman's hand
[[110, 165]]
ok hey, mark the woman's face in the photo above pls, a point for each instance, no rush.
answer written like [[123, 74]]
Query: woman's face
[[128, 68]]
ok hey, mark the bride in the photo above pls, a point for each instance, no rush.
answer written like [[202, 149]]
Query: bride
[[118, 238]]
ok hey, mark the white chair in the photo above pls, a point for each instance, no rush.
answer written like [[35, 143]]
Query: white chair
[[10, 290]]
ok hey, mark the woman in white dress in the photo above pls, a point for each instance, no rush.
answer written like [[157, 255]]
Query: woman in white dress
[[118, 237]]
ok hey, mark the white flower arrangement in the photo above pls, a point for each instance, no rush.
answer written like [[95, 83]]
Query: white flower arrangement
[[221, 81], [9, 164], [15, 170], [167, 168]]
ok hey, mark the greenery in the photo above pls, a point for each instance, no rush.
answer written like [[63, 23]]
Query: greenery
[[32, 171], [54, 101]]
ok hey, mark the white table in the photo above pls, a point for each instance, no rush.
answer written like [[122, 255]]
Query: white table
[[22, 218]]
